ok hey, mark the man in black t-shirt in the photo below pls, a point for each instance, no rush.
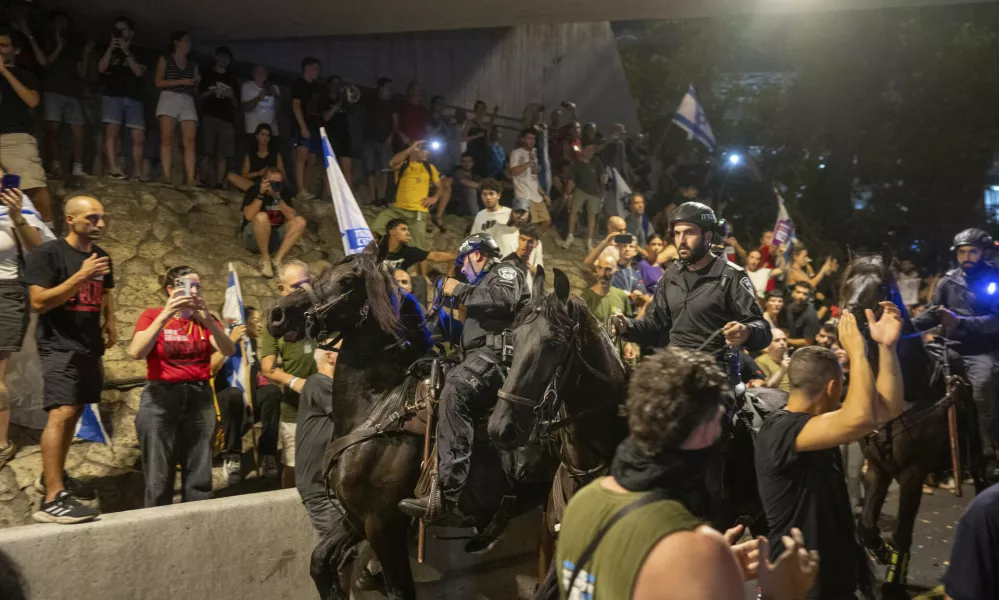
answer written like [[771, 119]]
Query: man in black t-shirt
[[70, 284], [218, 109], [307, 97], [401, 255], [799, 468], [19, 95], [800, 317], [973, 572], [122, 101], [270, 224]]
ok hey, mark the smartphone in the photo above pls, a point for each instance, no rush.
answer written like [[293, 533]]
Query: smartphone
[[10, 181], [624, 238], [183, 284]]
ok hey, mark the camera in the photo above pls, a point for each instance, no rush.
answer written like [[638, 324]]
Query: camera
[[182, 283], [624, 238], [276, 186]]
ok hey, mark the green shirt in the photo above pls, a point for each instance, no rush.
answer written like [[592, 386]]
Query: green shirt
[[614, 566], [604, 307], [770, 367], [586, 176], [294, 359]]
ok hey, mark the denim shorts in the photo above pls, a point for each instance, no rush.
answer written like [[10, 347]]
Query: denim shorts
[[314, 142], [60, 108], [123, 111], [176, 105], [376, 156]]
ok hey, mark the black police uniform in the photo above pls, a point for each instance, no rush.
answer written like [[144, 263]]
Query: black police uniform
[[470, 388], [975, 300], [685, 316]]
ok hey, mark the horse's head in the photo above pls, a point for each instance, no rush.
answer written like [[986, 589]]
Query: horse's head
[[867, 281], [341, 298], [546, 335]]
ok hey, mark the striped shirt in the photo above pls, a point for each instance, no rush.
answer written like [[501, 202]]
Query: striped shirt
[[173, 72]]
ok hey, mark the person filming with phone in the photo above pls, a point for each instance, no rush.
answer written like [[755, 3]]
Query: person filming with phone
[[176, 419], [270, 223]]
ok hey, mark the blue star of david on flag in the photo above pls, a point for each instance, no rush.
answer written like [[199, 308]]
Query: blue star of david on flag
[[691, 118]]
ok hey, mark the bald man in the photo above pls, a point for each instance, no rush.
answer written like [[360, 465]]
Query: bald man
[[615, 226], [70, 283]]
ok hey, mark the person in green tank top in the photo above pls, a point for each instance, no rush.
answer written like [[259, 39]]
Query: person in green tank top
[[659, 549]]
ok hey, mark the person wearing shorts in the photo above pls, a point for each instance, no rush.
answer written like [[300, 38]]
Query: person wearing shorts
[[19, 234], [218, 107], [63, 85], [523, 170], [585, 186], [270, 224], [121, 104], [177, 78], [18, 146], [288, 364], [69, 281], [307, 99]]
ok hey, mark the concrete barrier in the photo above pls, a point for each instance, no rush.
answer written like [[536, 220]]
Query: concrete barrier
[[236, 548]]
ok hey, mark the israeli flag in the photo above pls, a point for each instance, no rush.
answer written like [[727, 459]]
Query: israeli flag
[[691, 118], [353, 229], [237, 366], [31, 215], [90, 428]]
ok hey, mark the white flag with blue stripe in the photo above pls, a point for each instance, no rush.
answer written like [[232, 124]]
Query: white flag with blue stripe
[[237, 367], [691, 118], [90, 428], [353, 228]]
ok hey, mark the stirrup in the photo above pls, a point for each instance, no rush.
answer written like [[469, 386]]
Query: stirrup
[[898, 568]]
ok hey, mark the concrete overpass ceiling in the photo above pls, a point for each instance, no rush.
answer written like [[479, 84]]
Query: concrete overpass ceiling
[[266, 19]]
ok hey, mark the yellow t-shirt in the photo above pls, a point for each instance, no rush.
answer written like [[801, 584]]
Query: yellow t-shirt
[[414, 186]]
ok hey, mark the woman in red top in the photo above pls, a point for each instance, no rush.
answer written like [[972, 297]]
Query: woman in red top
[[176, 419]]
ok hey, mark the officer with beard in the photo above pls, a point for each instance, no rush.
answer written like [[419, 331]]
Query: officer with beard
[[966, 305], [699, 294]]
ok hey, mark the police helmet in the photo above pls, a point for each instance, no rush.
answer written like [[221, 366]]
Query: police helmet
[[972, 237], [694, 213], [483, 242]]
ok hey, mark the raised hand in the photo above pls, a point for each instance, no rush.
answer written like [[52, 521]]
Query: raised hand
[[793, 574], [850, 337], [888, 329]]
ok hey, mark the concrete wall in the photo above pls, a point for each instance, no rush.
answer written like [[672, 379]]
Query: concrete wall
[[255, 546], [509, 66]]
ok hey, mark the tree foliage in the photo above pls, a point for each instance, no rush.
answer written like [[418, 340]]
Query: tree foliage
[[898, 106]]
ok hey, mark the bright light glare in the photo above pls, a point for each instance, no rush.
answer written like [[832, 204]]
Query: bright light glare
[[822, 165], [734, 159], [992, 288], [995, 188]]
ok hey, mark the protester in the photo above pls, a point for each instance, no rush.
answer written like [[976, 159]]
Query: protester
[[401, 255], [615, 226], [258, 161], [638, 223], [827, 335], [19, 234], [761, 276], [800, 317], [121, 103], [66, 65], [585, 187], [603, 299], [775, 361], [800, 269], [176, 419], [492, 214], [314, 432], [418, 190], [270, 223], [467, 184], [527, 255], [497, 154], [19, 91], [773, 308], [306, 106], [523, 170], [475, 135], [403, 279], [296, 365], [264, 396], [971, 571], [627, 277], [335, 115], [413, 115], [177, 78], [70, 281], [658, 547], [218, 112], [650, 267], [909, 282], [380, 125], [261, 100], [799, 468]]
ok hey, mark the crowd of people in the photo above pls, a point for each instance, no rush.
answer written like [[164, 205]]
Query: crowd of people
[[647, 249]]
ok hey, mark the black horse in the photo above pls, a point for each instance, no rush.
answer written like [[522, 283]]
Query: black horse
[[910, 446], [383, 334], [567, 381]]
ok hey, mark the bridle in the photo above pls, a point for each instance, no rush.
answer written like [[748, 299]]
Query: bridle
[[319, 310]]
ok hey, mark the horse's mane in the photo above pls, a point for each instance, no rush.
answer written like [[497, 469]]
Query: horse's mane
[[866, 264], [381, 290]]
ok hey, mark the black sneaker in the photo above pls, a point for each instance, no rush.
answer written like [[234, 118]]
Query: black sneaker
[[65, 510], [80, 489]]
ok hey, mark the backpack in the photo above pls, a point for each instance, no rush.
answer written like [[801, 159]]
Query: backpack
[[426, 165]]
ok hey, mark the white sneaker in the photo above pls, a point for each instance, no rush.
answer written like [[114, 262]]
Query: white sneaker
[[78, 170], [568, 242], [268, 467], [589, 244], [232, 471]]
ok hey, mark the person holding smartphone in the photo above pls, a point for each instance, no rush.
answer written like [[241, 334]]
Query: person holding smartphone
[[176, 419]]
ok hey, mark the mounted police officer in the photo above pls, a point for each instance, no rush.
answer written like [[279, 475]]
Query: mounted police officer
[[699, 294], [966, 304], [495, 293]]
